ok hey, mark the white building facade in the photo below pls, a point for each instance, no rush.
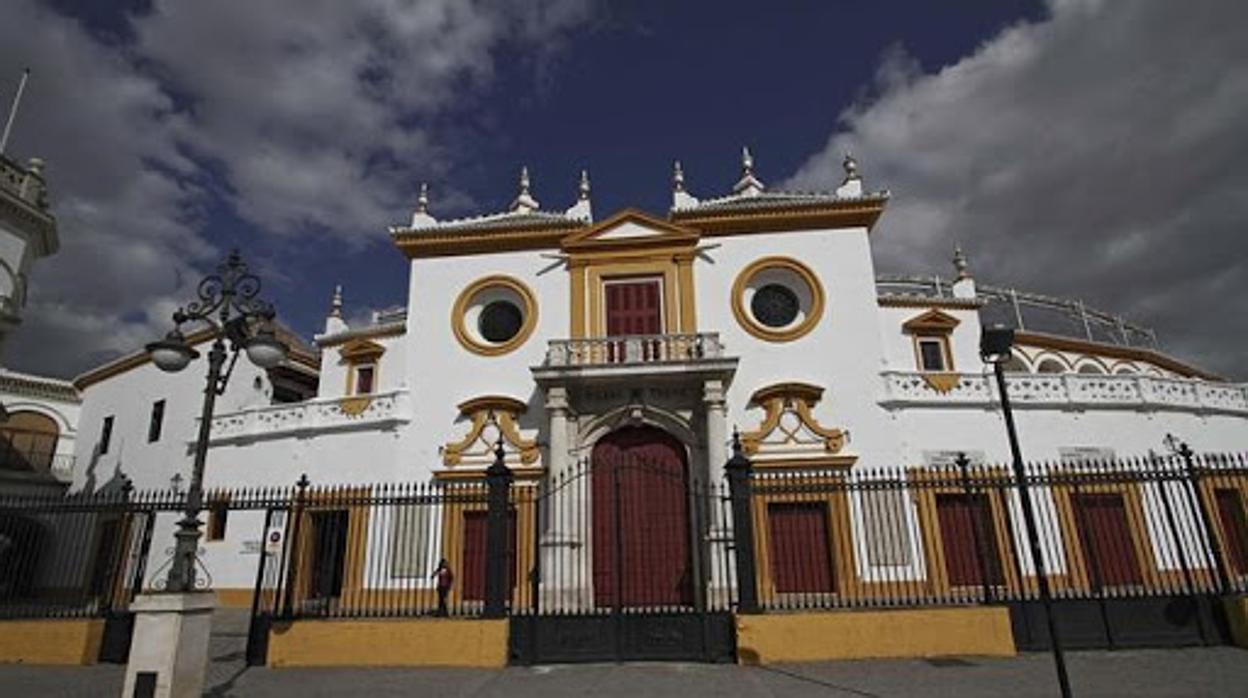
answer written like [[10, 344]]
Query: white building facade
[[571, 339]]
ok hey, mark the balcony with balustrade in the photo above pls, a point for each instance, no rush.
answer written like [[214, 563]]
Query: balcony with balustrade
[[322, 415], [694, 355], [901, 389]]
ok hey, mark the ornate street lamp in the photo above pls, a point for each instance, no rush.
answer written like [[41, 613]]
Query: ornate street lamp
[[227, 303], [994, 348]]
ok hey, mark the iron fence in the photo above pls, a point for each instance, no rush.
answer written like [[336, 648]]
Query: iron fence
[[641, 537]]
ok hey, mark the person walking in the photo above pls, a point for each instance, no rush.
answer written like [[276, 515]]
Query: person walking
[[445, 578]]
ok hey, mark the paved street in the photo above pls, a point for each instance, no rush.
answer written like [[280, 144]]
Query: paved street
[[1218, 671]]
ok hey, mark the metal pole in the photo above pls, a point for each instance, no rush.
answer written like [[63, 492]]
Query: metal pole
[[498, 482], [739, 470], [1033, 539], [1206, 519], [17, 100], [182, 570]]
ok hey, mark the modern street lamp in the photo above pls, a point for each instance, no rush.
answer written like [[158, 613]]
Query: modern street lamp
[[994, 348], [227, 303]]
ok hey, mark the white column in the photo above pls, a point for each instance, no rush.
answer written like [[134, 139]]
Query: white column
[[557, 409], [716, 428]]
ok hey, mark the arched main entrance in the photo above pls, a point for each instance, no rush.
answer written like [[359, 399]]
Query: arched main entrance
[[641, 552], [27, 441]]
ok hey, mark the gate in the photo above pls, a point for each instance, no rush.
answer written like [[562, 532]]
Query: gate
[[632, 561]]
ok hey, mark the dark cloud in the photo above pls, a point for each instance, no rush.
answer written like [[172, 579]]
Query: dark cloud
[[293, 115], [1098, 153]]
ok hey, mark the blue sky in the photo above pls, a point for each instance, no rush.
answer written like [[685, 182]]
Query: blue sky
[[298, 130]]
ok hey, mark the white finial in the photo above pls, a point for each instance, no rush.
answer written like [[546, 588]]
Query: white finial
[[422, 201], [582, 210], [583, 189], [524, 202], [678, 177], [335, 304], [960, 264], [851, 167], [748, 185]]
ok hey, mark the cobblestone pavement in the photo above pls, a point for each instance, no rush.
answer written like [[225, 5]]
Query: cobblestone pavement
[[1213, 671]]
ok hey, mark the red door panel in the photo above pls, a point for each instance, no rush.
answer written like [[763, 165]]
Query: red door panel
[[1234, 528], [1105, 532], [958, 516], [476, 535], [640, 520], [801, 560], [634, 308]]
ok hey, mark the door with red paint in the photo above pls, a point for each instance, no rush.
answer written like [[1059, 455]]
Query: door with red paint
[[641, 552], [476, 536], [968, 540], [799, 548], [1105, 533], [634, 307], [1234, 528]]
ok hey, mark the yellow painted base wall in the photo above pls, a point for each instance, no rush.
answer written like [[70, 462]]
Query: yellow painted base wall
[[424, 642], [1237, 615], [233, 598], [59, 641], [808, 637]]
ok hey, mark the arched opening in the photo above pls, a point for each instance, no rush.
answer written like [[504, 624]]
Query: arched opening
[[1015, 365], [1050, 366], [1124, 371], [27, 441], [641, 551], [1091, 368]]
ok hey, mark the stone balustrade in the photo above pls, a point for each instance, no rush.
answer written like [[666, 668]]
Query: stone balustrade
[[375, 411], [1068, 390], [24, 182], [633, 349]]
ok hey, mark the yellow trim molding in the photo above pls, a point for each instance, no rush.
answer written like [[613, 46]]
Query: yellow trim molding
[[504, 411], [933, 321], [770, 334], [667, 234], [51, 641], [942, 382], [814, 219], [390, 642], [901, 633], [465, 338]]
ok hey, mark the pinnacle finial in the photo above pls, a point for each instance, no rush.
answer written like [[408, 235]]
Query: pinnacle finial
[[678, 177], [851, 167], [960, 264], [524, 203], [747, 162], [422, 201], [583, 189], [335, 303], [748, 185]]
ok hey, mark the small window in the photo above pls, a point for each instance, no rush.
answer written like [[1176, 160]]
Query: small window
[[932, 354], [106, 434], [775, 305], [364, 379], [218, 516], [158, 418], [500, 321]]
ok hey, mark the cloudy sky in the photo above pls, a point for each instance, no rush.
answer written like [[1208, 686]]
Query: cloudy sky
[[1082, 148]]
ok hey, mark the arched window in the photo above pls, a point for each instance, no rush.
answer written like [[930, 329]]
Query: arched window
[[1124, 371], [1090, 367], [27, 441], [1050, 366]]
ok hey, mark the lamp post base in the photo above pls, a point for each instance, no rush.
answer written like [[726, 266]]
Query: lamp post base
[[169, 652]]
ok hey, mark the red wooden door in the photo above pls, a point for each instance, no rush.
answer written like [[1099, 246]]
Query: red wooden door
[[634, 307], [801, 560], [1105, 532], [640, 520], [1234, 528], [476, 535], [958, 515]]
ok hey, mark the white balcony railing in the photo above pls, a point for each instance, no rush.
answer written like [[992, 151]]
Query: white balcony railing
[[634, 349], [374, 411], [1071, 390]]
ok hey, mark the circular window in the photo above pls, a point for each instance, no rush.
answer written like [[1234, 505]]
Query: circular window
[[778, 299], [500, 321], [494, 315], [775, 305]]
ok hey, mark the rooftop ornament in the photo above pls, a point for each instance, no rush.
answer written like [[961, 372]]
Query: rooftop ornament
[[524, 202]]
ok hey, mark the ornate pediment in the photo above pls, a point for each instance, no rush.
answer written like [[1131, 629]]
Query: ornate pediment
[[490, 418], [630, 229], [789, 435], [934, 321], [361, 350]]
